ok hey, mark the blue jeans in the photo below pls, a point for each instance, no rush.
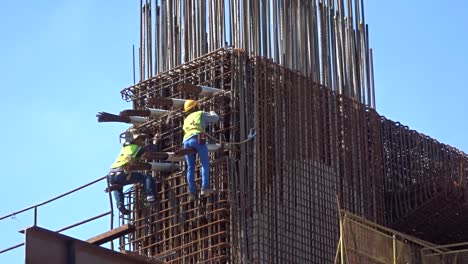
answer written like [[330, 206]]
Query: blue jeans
[[118, 176], [202, 151]]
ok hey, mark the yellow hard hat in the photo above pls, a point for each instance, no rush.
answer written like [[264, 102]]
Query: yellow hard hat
[[189, 105], [135, 134]]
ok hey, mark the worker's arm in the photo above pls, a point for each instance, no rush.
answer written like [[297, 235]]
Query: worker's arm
[[210, 117]]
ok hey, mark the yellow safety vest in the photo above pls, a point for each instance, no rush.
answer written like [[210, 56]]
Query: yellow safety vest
[[127, 153], [192, 125]]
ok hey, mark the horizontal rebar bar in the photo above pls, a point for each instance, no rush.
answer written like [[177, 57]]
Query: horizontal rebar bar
[[277, 195]]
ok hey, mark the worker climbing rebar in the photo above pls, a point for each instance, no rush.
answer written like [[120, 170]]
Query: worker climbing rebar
[[132, 149], [195, 123]]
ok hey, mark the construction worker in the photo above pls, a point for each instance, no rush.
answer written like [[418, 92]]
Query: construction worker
[[195, 123], [131, 150]]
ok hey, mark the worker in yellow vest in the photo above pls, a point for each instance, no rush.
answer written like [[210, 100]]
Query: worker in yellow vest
[[132, 149], [195, 123]]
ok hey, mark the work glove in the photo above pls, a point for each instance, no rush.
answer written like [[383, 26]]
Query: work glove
[[213, 113]]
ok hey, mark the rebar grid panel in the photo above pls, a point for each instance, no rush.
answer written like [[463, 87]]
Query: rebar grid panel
[[312, 145], [212, 70], [277, 196], [310, 96], [327, 41], [425, 183], [174, 227]]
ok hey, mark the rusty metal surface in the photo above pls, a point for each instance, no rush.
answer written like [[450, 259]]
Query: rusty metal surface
[[425, 185], [276, 200], [44, 246], [111, 235], [327, 41], [276, 196], [300, 73]]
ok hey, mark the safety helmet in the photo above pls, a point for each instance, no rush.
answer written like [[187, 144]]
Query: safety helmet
[[131, 135], [189, 105]]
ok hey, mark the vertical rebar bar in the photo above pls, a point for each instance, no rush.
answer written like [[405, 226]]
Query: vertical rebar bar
[[301, 73]]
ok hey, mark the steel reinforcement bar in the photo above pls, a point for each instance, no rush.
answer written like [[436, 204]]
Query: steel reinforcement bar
[[425, 184], [326, 40], [277, 196]]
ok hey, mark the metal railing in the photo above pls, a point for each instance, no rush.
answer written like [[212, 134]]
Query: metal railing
[[452, 253], [363, 241], [36, 206]]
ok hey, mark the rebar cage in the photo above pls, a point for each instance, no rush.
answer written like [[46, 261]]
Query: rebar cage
[[276, 199]]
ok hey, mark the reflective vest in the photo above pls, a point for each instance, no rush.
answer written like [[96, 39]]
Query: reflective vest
[[192, 125], [127, 153]]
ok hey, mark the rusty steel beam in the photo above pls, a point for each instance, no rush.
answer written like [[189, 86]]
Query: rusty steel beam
[[111, 235], [44, 246], [197, 89], [166, 102], [178, 155], [146, 112]]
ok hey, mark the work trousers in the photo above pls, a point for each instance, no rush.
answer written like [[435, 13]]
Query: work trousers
[[202, 152], [118, 176]]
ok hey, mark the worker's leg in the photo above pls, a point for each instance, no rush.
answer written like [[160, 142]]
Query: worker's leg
[[146, 180], [205, 163], [190, 159], [119, 197], [118, 178]]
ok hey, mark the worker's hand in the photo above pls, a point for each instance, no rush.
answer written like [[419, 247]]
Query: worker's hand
[[213, 113]]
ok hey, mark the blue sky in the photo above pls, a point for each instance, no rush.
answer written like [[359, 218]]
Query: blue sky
[[64, 61]]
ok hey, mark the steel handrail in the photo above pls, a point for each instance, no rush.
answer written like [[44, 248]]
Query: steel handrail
[[53, 199], [62, 229]]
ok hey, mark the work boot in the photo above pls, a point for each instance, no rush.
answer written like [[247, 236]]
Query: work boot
[[123, 210], [192, 197], [207, 191], [150, 199]]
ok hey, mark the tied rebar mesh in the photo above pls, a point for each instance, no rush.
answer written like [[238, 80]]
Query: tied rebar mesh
[[299, 72], [276, 199]]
